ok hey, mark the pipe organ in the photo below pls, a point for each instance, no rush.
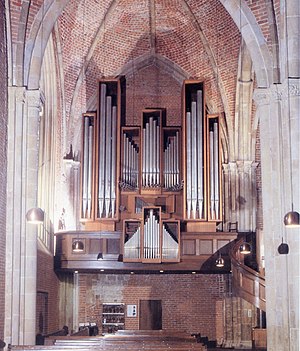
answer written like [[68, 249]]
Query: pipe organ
[[147, 178]]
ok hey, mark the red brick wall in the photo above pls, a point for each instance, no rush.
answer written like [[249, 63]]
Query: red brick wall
[[192, 303], [3, 160], [152, 87], [47, 289]]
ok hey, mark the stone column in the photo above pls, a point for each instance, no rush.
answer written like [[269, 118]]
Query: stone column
[[279, 130], [21, 250]]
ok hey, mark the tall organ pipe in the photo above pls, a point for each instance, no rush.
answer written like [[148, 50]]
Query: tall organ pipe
[[194, 160], [101, 172], [85, 167], [200, 153], [216, 169], [108, 157], [113, 160], [188, 165], [90, 163], [211, 173]]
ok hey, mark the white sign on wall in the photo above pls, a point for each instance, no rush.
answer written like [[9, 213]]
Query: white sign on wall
[[131, 311]]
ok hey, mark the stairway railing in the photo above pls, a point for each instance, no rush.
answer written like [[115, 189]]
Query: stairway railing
[[247, 283]]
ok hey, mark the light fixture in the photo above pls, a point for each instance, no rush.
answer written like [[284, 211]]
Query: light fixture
[[220, 261], [283, 248], [100, 256], [245, 248], [35, 216], [292, 219], [77, 246]]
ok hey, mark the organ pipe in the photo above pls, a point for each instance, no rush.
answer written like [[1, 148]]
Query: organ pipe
[[130, 166], [151, 236], [214, 171], [170, 243], [132, 245], [194, 159], [151, 154], [171, 164], [107, 155]]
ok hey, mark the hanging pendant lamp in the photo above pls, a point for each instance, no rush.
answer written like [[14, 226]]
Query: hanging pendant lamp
[[77, 246], [245, 249], [35, 216], [292, 219], [220, 261]]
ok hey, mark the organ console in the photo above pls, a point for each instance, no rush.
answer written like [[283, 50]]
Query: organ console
[[146, 179]]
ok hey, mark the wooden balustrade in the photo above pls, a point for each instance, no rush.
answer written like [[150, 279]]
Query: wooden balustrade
[[247, 283]]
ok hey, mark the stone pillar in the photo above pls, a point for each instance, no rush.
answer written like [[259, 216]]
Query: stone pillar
[[240, 194], [71, 192], [280, 145], [21, 250]]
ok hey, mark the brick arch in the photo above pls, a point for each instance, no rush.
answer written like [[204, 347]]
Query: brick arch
[[37, 41], [254, 39]]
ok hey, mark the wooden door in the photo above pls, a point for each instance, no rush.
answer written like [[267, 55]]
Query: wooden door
[[150, 315]]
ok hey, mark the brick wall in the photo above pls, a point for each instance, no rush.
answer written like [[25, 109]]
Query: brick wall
[[192, 303], [3, 160], [47, 311]]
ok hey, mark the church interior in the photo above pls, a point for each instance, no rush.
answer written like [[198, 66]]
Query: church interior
[[149, 175]]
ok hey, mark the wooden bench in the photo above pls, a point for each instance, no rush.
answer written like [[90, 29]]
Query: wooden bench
[[125, 340]]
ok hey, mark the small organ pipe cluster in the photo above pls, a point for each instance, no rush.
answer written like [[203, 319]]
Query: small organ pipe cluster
[[130, 164], [172, 181], [152, 174], [152, 239]]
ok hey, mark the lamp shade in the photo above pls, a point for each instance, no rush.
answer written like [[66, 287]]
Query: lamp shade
[[77, 246], [100, 256], [220, 262], [292, 219], [35, 216], [245, 249]]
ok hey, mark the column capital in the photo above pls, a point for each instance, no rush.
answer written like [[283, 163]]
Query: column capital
[[261, 96], [34, 98]]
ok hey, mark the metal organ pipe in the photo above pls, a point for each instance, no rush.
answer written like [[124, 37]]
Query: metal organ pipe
[[200, 153], [194, 159], [151, 237], [130, 164], [216, 169], [107, 156], [170, 245], [151, 154], [113, 160], [132, 245], [188, 165], [85, 168], [211, 173], [101, 172], [171, 164], [90, 163]]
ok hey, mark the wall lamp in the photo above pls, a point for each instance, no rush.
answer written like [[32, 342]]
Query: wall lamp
[[245, 249]]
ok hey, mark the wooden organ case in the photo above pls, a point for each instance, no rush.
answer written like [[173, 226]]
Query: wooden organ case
[[150, 181]]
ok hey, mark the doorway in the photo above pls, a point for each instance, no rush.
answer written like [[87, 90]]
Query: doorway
[[150, 315]]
